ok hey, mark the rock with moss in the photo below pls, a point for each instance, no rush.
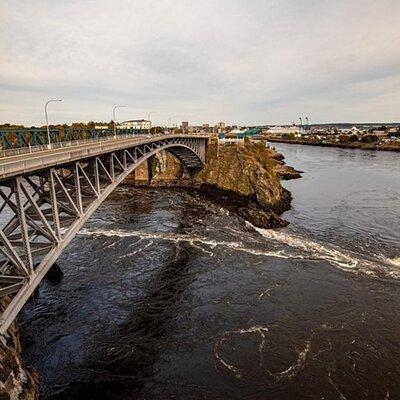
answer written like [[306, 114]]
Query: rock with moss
[[245, 177]]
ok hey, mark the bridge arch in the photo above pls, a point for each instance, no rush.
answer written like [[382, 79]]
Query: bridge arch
[[49, 204]]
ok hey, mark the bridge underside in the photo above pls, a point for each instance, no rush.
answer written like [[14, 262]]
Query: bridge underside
[[46, 208]]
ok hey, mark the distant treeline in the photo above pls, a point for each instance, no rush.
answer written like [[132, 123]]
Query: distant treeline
[[74, 125]]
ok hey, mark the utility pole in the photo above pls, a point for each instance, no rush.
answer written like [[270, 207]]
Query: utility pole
[[47, 121], [115, 123]]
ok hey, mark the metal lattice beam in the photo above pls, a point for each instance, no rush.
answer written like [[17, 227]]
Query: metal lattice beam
[[49, 206]]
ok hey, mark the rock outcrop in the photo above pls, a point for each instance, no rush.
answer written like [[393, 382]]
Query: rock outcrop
[[18, 381], [245, 177]]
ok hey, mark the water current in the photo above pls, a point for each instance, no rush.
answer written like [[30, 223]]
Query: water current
[[165, 295]]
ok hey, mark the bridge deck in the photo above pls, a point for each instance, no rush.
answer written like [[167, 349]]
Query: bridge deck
[[48, 194], [18, 164]]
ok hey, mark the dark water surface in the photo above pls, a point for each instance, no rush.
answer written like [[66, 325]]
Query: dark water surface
[[167, 296]]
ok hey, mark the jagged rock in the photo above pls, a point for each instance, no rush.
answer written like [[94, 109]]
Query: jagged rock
[[18, 381], [262, 218], [244, 176], [286, 173]]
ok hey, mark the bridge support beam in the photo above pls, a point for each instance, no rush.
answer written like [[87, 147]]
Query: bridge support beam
[[48, 207]]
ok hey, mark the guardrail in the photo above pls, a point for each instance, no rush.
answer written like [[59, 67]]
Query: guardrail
[[58, 145], [15, 138]]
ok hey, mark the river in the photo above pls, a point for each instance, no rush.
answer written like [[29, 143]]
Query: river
[[165, 295]]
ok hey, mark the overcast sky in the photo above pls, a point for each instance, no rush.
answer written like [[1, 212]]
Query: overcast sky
[[244, 62]]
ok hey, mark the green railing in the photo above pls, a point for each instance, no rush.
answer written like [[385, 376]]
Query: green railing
[[25, 137]]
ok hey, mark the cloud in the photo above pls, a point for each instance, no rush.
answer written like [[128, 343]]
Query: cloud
[[261, 61]]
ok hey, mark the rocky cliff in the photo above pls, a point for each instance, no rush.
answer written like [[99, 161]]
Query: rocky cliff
[[17, 380], [245, 177]]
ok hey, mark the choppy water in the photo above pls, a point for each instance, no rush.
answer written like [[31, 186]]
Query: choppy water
[[165, 295]]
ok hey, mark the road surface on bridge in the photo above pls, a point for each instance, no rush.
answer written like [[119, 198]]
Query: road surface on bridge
[[30, 161]]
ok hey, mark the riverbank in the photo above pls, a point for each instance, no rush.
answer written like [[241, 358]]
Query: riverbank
[[244, 177], [390, 146]]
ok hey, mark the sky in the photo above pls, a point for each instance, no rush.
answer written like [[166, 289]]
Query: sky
[[247, 62]]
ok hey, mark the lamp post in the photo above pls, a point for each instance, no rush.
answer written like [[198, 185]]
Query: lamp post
[[47, 121], [148, 117], [115, 123], [169, 119]]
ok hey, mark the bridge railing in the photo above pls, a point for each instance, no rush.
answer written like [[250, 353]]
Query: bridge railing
[[19, 138], [34, 149]]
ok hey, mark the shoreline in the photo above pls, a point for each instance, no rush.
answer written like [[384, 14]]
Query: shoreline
[[241, 206], [244, 179], [351, 146]]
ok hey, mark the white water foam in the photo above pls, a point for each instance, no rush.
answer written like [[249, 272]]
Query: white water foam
[[301, 248], [349, 261], [393, 261], [278, 377], [192, 240]]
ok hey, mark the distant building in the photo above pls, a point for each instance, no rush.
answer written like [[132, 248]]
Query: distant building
[[205, 128], [280, 130], [237, 131], [139, 124], [223, 140], [380, 133], [102, 127], [185, 126], [221, 125]]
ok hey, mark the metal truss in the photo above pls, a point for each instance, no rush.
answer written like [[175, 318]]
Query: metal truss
[[47, 208], [14, 138]]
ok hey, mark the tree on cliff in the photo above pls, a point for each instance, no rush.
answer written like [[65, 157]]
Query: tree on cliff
[[156, 130], [348, 138], [369, 139], [394, 134], [353, 138], [78, 125]]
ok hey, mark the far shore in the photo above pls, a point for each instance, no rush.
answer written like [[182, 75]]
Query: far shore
[[352, 145]]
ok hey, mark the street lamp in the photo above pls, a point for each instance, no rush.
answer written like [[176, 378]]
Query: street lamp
[[115, 124], [148, 117], [169, 119], [149, 114], [47, 121]]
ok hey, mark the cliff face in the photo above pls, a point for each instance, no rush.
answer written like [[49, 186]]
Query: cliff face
[[17, 380], [245, 177]]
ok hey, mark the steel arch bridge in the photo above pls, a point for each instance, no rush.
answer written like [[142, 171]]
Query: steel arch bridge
[[48, 195]]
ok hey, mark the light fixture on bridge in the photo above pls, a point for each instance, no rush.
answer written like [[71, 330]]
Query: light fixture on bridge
[[148, 118], [47, 120], [115, 123], [169, 119]]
